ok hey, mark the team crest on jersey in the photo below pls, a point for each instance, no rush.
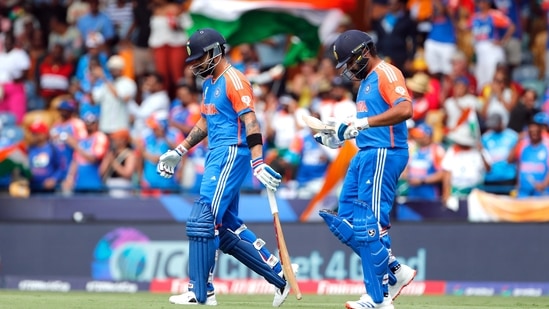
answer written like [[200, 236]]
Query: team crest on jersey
[[217, 92], [246, 99], [400, 90], [367, 89]]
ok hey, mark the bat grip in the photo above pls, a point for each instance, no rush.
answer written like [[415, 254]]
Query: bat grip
[[272, 201]]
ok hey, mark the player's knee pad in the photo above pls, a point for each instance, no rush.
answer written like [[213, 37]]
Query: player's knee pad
[[203, 243], [251, 253], [340, 227], [374, 255]]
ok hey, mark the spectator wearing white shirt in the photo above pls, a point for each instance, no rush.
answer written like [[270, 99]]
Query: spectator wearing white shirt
[[113, 97], [464, 165], [459, 103], [155, 98], [14, 64]]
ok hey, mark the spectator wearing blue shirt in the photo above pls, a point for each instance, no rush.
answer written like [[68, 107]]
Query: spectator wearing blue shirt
[[499, 142], [46, 163], [96, 21]]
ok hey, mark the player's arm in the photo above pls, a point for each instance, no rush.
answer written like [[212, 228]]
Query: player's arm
[[196, 135], [253, 134], [394, 115], [169, 160]]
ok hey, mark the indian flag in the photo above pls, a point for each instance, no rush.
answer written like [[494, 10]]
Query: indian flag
[[14, 158], [250, 21]]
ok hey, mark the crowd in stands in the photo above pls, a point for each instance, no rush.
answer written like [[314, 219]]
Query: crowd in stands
[[98, 90]]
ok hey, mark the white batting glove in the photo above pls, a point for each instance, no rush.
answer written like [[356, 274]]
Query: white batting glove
[[329, 140], [348, 129], [169, 160], [265, 174]]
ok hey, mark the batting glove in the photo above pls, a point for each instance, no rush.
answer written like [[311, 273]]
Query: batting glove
[[329, 140], [265, 174], [169, 160], [348, 129]]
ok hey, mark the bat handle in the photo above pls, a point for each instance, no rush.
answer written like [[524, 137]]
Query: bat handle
[[272, 201], [354, 133]]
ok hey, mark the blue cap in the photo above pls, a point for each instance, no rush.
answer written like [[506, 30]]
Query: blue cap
[[462, 79], [202, 41], [89, 117], [348, 44], [421, 130], [67, 105], [541, 118]]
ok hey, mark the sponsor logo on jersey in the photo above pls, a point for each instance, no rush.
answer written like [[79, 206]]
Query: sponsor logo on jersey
[[361, 107], [208, 109]]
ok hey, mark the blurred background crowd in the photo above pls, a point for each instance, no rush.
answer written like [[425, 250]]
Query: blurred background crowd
[[93, 92]]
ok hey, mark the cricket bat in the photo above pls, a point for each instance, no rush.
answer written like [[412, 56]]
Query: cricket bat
[[283, 250], [317, 125]]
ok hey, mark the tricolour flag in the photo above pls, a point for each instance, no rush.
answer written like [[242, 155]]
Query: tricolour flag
[[14, 158], [250, 21]]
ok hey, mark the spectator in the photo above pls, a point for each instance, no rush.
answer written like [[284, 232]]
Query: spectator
[[119, 164], [69, 125], [185, 110], [464, 164], [523, 112], [84, 175], [533, 163], [418, 85], [460, 68], [486, 24], [96, 22], [154, 142], [341, 105], [167, 40], [14, 63], [67, 36], [47, 164], [499, 98], [513, 48], [139, 33], [271, 51], [499, 142], [155, 98], [114, 96], [120, 12], [55, 73], [396, 36], [440, 44], [424, 172], [460, 103]]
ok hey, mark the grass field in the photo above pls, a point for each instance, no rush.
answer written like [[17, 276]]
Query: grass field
[[83, 300]]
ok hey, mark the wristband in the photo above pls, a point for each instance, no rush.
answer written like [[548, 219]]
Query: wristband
[[254, 139], [257, 162], [181, 150], [362, 123]]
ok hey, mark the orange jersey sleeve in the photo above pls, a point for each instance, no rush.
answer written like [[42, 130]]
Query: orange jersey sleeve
[[239, 91], [391, 84], [100, 145], [79, 128], [500, 20]]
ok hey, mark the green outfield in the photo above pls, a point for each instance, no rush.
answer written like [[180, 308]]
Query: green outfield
[[82, 300]]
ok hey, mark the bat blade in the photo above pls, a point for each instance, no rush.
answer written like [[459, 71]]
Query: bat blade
[[319, 126], [282, 248]]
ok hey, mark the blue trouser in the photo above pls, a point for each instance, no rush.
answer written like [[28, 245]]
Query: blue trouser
[[217, 209], [369, 189]]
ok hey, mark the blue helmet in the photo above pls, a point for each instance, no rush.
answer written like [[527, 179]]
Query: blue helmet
[[349, 44], [202, 41], [541, 118]]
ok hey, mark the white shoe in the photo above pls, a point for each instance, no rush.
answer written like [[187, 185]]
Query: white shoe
[[404, 275], [282, 294], [189, 298], [366, 301]]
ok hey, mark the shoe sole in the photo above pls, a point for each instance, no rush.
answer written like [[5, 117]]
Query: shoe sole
[[349, 307], [405, 285]]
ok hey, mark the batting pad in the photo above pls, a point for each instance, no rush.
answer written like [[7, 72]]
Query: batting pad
[[203, 244], [248, 255]]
